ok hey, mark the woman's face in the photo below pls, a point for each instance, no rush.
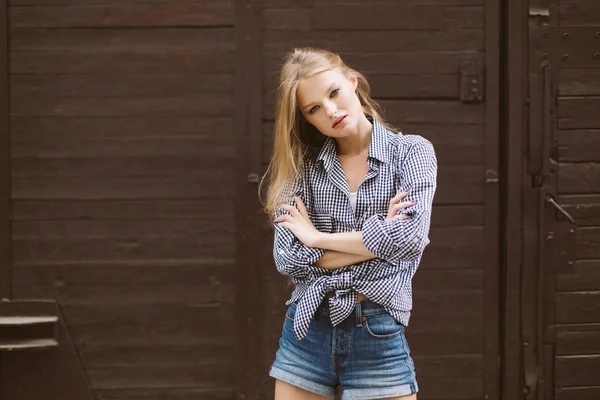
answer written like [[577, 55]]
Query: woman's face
[[329, 102]]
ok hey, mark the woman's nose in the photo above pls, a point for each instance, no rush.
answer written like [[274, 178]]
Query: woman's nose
[[331, 109]]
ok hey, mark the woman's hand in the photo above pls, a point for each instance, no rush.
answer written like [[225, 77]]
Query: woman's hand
[[395, 206], [299, 223]]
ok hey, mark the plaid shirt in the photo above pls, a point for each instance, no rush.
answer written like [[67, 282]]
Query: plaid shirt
[[396, 161]]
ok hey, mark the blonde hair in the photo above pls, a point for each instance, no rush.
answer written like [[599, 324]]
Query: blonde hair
[[295, 138]]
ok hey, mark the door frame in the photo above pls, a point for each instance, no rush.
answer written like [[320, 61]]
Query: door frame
[[5, 243]]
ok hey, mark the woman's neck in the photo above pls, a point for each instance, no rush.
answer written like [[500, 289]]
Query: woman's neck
[[358, 142]]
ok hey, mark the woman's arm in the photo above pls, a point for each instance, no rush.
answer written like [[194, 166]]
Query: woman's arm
[[333, 260]]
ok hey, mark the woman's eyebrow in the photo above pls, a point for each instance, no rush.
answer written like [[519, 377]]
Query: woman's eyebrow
[[328, 89]]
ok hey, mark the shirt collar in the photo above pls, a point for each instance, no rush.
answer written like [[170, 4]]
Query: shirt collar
[[377, 149]]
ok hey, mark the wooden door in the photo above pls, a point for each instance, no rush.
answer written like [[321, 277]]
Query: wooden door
[[122, 181], [434, 67], [564, 356]]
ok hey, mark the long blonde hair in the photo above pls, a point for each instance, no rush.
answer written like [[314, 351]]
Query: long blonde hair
[[295, 138]]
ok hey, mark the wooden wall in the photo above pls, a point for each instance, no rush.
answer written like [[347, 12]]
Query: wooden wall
[[122, 155], [577, 299]]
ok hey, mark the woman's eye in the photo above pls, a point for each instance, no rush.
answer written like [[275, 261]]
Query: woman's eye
[[335, 92], [312, 110]]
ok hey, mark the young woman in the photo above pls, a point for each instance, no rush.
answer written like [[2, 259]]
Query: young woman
[[351, 201]]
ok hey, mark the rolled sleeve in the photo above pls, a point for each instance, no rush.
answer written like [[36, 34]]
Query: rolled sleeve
[[406, 239], [292, 257]]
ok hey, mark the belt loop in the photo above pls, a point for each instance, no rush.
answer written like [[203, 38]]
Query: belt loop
[[359, 318]]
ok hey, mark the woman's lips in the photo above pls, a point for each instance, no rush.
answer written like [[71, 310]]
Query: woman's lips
[[338, 121]]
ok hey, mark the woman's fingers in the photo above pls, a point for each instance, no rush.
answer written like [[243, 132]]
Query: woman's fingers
[[401, 216], [292, 210], [283, 218], [402, 206], [399, 196]]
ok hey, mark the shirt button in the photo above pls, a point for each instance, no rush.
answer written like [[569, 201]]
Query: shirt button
[[415, 240]]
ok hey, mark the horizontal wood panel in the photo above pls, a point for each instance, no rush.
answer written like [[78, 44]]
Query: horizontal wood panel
[[173, 355], [453, 257], [166, 393], [118, 61], [218, 150], [578, 177], [29, 129], [194, 295], [578, 307], [433, 112], [576, 370], [578, 112], [146, 272], [457, 236], [578, 339], [432, 388], [217, 245], [210, 169], [120, 188], [209, 13], [120, 40], [188, 105], [311, 3], [588, 242], [449, 304], [584, 275], [579, 13], [585, 209], [122, 210], [374, 41], [450, 366], [375, 16], [575, 145], [213, 374], [126, 85], [116, 229], [432, 280], [415, 62], [578, 81], [577, 393], [457, 215]]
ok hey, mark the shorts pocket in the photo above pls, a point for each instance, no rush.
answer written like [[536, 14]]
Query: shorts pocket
[[291, 312], [383, 326]]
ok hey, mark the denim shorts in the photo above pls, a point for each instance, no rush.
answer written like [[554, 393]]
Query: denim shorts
[[367, 354]]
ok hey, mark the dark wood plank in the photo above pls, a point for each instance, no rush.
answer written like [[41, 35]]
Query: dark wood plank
[[213, 104], [415, 62], [585, 209], [5, 191], [31, 130], [375, 41], [577, 393], [577, 370], [211, 13], [376, 16], [311, 3], [575, 145], [578, 81], [218, 245], [121, 40], [121, 210], [578, 307], [434, 280], [210, 374], [457, 215], [579, 13], [132, 60], [119, 84], [432, 388], [121, 188], [577, 339], [578, 112], [459, 185], [448, 304], [146, 272], [585, 275], [432, 112], [588, 242], [578, 177], [197, 166], [451, 366], [166, 393]]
